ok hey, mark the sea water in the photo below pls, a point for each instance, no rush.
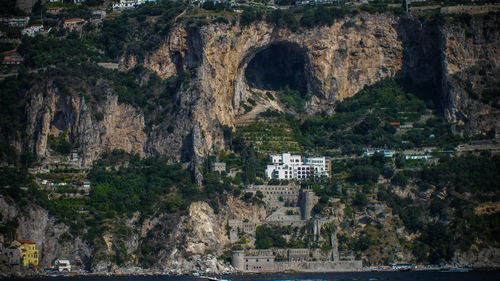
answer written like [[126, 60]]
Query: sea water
[[341, 276]]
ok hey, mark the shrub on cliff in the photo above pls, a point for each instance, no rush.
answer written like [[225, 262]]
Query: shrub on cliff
[[250, 15], [283, 19]]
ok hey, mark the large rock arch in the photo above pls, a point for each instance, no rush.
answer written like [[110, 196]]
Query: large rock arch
[[342, 59]]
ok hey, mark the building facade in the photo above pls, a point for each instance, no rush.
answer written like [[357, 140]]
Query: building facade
[[29, 252], [13, 256], [288, 192], [286, 167], [62, 265], [298, 260], [219, 167], [74, 24]]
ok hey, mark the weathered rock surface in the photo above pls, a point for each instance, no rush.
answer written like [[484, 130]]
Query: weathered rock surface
[[459, 61], [471, 66], [189, 243], [51, 110], [36, 225]]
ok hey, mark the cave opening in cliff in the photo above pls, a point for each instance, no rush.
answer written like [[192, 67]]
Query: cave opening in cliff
[[277, 66]]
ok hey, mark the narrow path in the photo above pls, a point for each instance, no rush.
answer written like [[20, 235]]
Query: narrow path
[[263, 103]]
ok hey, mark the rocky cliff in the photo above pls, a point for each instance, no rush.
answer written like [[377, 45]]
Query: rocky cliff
[[471, 73], [459, 61], [52, 109], [183, 242], [47, 233]]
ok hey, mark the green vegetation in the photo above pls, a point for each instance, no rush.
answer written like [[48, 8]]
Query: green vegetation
[[284, 19], [250, 15], [9, 8], [365, 120], [124, 185], [461, 175], [140, 187], [12, 116], [60, 143], [293, 99], [267, 237], [270, 136]]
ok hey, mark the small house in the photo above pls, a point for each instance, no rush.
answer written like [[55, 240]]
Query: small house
[[13, 256], [219, 167], [62, 265], [29, 252], [31, 31], [12, 60], [74, 24]]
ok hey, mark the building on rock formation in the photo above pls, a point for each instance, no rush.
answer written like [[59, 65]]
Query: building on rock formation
[[29, 252], [287, 166], [297, 260]]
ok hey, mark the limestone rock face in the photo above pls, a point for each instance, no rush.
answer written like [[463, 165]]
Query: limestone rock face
[[340, 62], [471, 68], [459, 62], [36, 225], [205, 232], [51, 111]]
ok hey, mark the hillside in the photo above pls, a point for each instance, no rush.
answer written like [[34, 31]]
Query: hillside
[[109, 133]]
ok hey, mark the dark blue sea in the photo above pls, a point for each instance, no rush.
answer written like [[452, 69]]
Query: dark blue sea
[[341, 276]]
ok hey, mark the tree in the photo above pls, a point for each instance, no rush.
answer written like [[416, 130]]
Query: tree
[[363, 174], [267, 237], [360, 200], [250, 15], [400, 179], [259, 194]]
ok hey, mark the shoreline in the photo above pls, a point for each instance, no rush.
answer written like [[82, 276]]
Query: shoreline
[[205, 275]]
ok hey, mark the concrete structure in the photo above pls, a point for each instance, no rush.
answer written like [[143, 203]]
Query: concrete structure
[[238, 259], [75, 24], [98, 15], [387, 152], [335, 247], [308, 200], [298, 260], [62, 265], [128, 4], [13, 256], [472, 10], [237, 226], [109, 65], [288, 192], [53, 10], [219, 167], [31, 31], [263, 262], [298, 255], [12, 60], [418, 157], [15, 21], [281, 215], [287, 166]]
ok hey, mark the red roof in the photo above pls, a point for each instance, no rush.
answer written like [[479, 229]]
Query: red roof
[[395, 123], [12, 60], [25, 241], [73, 20]]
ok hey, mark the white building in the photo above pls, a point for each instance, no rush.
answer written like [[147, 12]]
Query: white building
[[32, 30], [127, 4], [387, 152], [219, 166], [62, 265], [287, 166], [15, 21]]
